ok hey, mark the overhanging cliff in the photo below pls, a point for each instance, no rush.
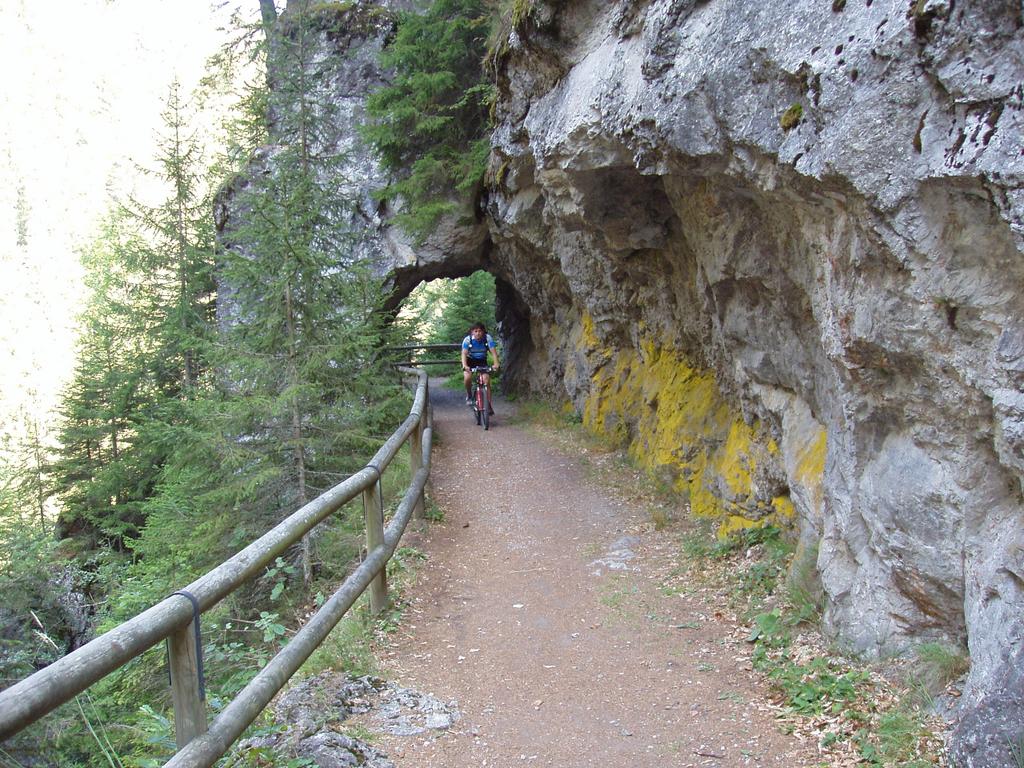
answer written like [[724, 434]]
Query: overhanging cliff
[[777, 248]]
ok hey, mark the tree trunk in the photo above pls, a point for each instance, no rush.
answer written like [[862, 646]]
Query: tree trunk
[[298, 452], [269, 14]]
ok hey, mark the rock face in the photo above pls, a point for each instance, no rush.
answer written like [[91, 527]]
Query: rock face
[[349, 38], [777, 248]]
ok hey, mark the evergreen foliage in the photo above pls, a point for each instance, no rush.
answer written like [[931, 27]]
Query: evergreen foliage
[[304, 310], [211, 397], [25, 571], [104, 471], [147, 319], [178, 262], [465, 302], [431, 125]]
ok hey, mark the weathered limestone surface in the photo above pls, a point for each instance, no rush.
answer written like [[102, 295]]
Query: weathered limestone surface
[[819, 322], [851, 288], [347, 69]]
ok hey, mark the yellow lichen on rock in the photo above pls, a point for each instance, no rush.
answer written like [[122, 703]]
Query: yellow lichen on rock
[[783, 506], [736, 463], [675, 422], [810, 466]]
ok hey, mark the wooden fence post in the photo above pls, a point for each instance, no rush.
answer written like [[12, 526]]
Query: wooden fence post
[[416, 460], [189, 709], [375, 538]]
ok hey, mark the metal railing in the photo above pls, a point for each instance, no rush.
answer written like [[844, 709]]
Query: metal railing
[[176, 617]]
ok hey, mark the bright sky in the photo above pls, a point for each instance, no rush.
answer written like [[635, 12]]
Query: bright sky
[[80, 102]]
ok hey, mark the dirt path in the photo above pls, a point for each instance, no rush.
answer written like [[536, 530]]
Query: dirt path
[[542, 609]]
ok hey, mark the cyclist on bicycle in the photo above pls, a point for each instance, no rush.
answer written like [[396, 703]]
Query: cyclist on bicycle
[[474, 355]]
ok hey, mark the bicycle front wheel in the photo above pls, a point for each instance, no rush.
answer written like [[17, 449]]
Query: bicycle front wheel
[[485, 410]]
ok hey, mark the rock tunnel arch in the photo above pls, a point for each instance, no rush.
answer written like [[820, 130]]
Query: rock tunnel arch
[[511, 311]]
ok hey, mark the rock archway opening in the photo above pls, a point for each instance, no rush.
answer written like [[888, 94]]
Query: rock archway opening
[[441, 308]]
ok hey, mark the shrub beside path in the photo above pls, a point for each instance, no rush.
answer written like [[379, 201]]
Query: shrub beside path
[[544, 609]]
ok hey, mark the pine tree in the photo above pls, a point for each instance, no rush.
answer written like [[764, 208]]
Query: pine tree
[[142, 346], [431, 125], [299, 395], [99, 475], [178, 294]]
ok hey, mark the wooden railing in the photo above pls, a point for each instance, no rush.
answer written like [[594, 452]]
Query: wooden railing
[[176, 617], [428, 348]]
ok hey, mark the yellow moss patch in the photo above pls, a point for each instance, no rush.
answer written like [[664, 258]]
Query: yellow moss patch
[[703, 502], [811, 460], [672, 417], [588, 338], [736, 463], [783, 507], [734, 523], [810, 466]]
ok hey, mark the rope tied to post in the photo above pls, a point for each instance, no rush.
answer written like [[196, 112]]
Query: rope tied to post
[[199, 642]]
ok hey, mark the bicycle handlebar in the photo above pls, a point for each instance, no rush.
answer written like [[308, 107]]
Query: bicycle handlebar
[[481, 369]]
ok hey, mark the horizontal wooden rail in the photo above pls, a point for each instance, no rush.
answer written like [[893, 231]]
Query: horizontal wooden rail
[[251, 700], [417, 363], [26, 701], [414, 347]]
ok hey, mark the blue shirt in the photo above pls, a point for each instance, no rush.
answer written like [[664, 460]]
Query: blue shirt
[[477, 349]]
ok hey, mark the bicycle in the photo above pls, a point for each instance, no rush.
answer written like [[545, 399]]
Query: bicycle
[[481, 397]]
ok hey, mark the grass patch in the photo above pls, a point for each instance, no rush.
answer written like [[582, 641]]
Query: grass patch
[[1016, 749], [854, 712], [348, 648], [935, 667], [433, 512], [617, 594]]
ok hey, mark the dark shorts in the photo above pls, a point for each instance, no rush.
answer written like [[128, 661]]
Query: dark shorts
[[471, 363]]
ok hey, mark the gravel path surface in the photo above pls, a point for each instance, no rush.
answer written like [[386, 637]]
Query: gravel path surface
[[542, 611]]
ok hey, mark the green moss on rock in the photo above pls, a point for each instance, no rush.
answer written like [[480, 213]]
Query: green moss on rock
[[791, 117]]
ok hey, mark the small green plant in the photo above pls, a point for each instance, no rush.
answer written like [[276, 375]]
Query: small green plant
[[278, 575], [273, 631], [936, 665], [1016, 748], [813, 688], [769, 630], [433, 512], [791, 117]]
